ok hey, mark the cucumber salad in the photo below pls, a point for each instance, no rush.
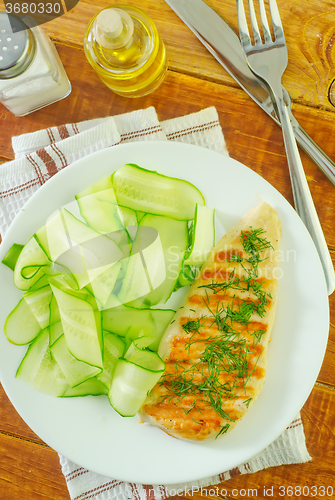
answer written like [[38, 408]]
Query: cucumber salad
[[95, 279]]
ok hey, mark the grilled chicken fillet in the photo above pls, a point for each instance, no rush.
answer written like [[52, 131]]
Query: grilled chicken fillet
[[215, 349]]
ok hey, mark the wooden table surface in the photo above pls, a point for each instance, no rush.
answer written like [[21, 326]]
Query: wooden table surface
[[29, 469]]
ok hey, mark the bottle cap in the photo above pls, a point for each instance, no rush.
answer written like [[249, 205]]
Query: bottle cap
[[113, 28], [17, 46]]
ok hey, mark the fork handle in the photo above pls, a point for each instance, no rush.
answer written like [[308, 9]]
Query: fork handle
[[303, 200], [313, 150]]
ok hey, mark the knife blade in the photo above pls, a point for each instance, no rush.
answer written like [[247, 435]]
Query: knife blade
[[223, 43]]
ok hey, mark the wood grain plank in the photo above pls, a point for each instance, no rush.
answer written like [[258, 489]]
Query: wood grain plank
[[309, 34], [327, 372], [252, 137], [30, 471], [11, 422]]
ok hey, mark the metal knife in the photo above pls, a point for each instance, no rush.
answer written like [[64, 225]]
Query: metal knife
[[223, 43]]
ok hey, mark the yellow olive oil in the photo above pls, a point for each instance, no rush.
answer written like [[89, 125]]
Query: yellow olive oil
[[123, 45]]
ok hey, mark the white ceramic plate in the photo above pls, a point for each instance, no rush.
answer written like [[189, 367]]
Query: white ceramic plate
[[87, 430]]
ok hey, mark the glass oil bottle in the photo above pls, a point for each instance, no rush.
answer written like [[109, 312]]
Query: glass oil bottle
[[124, 47]]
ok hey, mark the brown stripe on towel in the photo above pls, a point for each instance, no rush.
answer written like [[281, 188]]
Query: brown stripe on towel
[[60, 154], [99, 489], [48, 161], [51, 135], [141, 133], [192, 130], [135, 491], [75, 473], [75, 128], [37, 169], [63, 131], [149, 491], [19, 189]]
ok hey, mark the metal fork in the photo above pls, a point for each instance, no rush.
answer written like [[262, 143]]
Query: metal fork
[[268, 60]]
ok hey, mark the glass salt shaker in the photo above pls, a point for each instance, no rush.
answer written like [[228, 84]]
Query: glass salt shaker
[[31, 73]]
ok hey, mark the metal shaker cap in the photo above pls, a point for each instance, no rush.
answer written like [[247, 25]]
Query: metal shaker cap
[[17, 46]]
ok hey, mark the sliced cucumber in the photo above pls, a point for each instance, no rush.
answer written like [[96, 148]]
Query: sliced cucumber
[[140, 216], [42, 239], [29, 265], [21, 326], [78, 276], [99, 254], [162, 318], [64, 231], [113, 350], [145, 325], [55, 331], [150, 192], [100, 211], [150, 334], [91, 387], [132, 382], [67, 283], [54, 311], [74, 370], [40, 370], [121, 318], [128, 217], [163, 257], [142, 337], [39, 303], [97, 318], [203, 237], [43, 281], [112, 302], [102, 286], [102, 185], [187, 276], [144, 358], [64, 281], [12, 255], [80, 328], [83, 251], [55, 326], [135, 282]]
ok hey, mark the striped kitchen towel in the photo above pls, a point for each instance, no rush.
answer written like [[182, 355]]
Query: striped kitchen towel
[[39, 156], [288, 448]]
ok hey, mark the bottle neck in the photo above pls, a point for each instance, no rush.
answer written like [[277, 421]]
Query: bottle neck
[[113, 28]]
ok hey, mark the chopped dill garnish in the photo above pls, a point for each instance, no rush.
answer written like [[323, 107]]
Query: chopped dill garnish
[[223, 430], [253, 243], [193, 325], [199, 423], [247, 402]]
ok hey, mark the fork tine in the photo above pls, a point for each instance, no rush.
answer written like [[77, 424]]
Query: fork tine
[[242, 24], [276, 20], [254, 23], [264, 19]]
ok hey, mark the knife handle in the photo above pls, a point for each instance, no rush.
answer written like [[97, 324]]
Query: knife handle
[[313, 150]]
